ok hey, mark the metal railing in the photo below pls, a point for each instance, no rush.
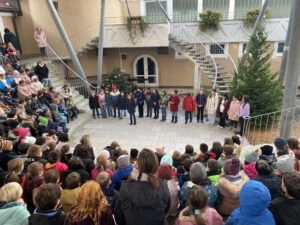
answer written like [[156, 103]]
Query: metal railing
[[74, 79], [266, 127]]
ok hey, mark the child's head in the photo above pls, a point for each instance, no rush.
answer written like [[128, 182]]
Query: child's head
[[129, 96], [228, 150], [216, 145], [47, 197], [236, 140], [93, 93], [23, 148], [187, 164], [293, 143], [15, 165], [103, 180], [51, 176], [73, 181], [64, 137], [291, 185], [65, 148], [122, 93], [53, 156], [175, 92], [11, 192], [34, 169], [189, 149], [262, 167], [213, 165], [203, 148], [75, 163], [51, 146], [176, 155], [228, 141], [101, 162], [34, 151], [40, 141], [197, 201], [134, 154], [34, 79]]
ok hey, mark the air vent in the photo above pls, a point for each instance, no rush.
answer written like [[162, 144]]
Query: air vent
[[123, 56], [162, 50]]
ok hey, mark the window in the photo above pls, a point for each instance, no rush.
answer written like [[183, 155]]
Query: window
[[221, 6], [154, 14], [280, 8], [185, 11], [242, 7], [217, 49], [146, 70], [280, 47]]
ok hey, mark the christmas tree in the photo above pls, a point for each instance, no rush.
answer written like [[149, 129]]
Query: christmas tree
[[256, 79], [119, 79]]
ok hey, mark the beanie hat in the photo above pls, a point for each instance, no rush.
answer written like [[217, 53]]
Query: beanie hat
[[167, 159], [30, 140], [232, 166], [280, 143], [23, 131], [5, 145], [123, 161], [134, 153], [285, 164], [197, 171], [114, 88], [266, 149], [252, 153], [104, 153], [43, 120], [165, 171], [213, 164]]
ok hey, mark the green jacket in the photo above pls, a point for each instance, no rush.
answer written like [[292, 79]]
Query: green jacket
[[214, 179], [13, 213], [164, 101]]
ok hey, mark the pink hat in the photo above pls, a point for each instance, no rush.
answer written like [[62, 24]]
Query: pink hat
[[23, 131]]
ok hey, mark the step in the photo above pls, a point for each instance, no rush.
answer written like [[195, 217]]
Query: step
[[77, 123]]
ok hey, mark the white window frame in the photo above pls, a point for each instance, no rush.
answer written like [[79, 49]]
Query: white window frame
[[240, 54], [275, 52], [226, 48]]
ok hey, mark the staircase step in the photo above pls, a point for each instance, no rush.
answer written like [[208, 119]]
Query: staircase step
[[77, 123]]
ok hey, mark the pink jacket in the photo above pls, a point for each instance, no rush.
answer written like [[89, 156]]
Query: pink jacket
[[96, 171], [210, 217], [40, 39], [233, 110], [250, 170], [24, 91]]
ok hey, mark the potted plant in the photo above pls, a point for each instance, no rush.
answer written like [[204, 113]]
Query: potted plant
[[252, 15], [209, 20], [135, 23]]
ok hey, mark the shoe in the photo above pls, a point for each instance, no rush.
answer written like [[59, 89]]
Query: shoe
[[173, 119], [191, 121], [130, 124], [134, 123], [202, 121], [185, 122]]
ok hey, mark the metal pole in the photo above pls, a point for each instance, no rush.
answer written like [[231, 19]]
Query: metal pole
[[256, 25], [292, 74], [66, 40], [286, 45], [164, 11], [100, 44]]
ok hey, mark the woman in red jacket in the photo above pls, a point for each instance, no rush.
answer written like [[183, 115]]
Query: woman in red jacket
[[174, 102], [188, 107]]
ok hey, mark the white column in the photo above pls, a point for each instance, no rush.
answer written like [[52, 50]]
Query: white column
[[197, 78], [143, 8], [170, 8], [231, 9], [1, 27], [200, 7]]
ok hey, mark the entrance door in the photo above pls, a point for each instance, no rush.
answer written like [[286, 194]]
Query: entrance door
[[145, 67]]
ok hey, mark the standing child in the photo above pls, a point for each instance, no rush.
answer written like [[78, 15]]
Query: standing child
[[188, 107], [122, 105], [201, 102], [222, 110], [164, 101], [131, 109], [148, 102], [155, 98], [114, 99], [174, 103], [93, 103], [102, 103], [232, 112], [140, 99], [108, 103], [66, 92]]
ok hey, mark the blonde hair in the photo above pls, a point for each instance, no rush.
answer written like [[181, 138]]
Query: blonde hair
[[15, 165], [85, 141], [176, 155], [101, 162], [11, 192], [91, 202]]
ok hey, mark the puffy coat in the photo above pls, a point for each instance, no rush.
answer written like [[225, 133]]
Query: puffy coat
[[254, 201], [40, 38], [93, 102], [119, 176], [174, 103], [272, 182], [212, 104], [201, 99], [189, 104], [233, 110], [12, 213]]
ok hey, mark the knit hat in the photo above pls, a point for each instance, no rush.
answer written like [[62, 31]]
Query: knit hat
[[285, 164], [23, 131], [232, 166], [165, 171], [123, 161], [197, 171], [134, 153], [252, 153], [114, 88], [43, 120], [280, 143], [213, 164], [30, 140], [104, 153], [167, 159], [5, 145], [266, 149]]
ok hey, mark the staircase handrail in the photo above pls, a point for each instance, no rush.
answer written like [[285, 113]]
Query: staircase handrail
[[270, 113], [70, 69], [203, 45]]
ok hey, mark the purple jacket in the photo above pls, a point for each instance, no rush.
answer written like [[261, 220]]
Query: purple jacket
[[244, 110]]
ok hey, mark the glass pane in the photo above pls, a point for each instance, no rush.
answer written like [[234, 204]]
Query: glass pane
[[140, 67], [151, 66], [280, 8], [280, 47], [154, 14], [221, 6], [152, 79], [216, 49], [242, 7], [185, 11], [140, 79], [244, 47]]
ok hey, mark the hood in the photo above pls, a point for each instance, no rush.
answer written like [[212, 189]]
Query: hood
[[6, 205], [53, 107], [254, 198]]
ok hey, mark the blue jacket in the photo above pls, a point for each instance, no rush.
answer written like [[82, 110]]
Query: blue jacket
[[13, 213], [10, 80], [201, 99], [119, 176], [2, 86], [254, 201], [131, 106], [140, 97], [122, 102]]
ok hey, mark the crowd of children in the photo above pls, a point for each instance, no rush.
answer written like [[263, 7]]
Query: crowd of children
[[41, 182], [105, 103]]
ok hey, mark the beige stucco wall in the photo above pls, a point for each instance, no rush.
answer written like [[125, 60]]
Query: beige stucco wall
[[7, 22]]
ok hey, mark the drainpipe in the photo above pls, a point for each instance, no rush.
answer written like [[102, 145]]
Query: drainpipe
[[14, 20]]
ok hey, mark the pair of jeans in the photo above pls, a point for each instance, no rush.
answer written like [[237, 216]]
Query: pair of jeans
[[103, 111], [122, 113], [175, 114], [242, 126], [164, 113], [43, 52], [132, 118], [46, 82], [156, 113], [188, 115], [109, 110], [149, 109], [200, 113], [212, 119], [95, 110], [115, 111]]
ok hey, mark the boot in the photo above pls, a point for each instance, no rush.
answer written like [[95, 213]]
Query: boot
[[134, 123], [173, 119]]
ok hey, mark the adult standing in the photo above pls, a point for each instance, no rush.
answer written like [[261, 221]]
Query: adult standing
[[10, 37], [212, 105], [155, 98], [42, 71], [140, 99], [244, 111], [174, 103], [41, 40], [201, 102]]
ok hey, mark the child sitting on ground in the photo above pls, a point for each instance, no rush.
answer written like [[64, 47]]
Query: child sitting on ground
[[102, 164], [177, 159], [214, 171]]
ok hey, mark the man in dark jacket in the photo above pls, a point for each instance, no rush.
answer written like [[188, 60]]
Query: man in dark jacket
[[10, 37], [122, 105], [94, 105], [201, 102], [140, 100]]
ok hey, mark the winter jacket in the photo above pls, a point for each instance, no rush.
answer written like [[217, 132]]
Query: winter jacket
[[285, 211], [189, 104], [174, 103], [41, 71], [5, 157], [138, 203], [114, 97], [131, 106], [250, 170], [155, 101], [13, 213], [201, 99], [212, 104], [210, 217], [164, 101], [272, 182], [55, 217], [223, 108], [233, 110], [122, 102], [93, 102], [29, 188], [68, 198], [254, 201], [11, 37], [81, 150], [148, 98], [84, 176], [119, 176], [209, 188], [111, 196], [101, 100], [96, 171], [140, 97], [58, 166], [214, 176], [229, 188], [40, 38], [244, 110]]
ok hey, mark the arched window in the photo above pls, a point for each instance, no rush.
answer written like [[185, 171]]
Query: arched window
[[146, 70]]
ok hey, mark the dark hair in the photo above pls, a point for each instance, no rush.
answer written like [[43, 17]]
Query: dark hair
[[203, 147], [216, 145], [185, 156], [63, 137], [76, 163], [148, 163], [189, 149], [73, 181], [293, 143], [262, 167], [47, 196], [134, 153], [6, 30], [23, 148], [51, 132], [236, 140], [176, 91], [53, 156], [228, 150], [187, 164], [228, 141], [291, 181], [51, 176], [40, 140]]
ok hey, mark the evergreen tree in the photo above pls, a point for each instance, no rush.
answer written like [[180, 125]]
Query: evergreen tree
[[119, 79], [256, 79]]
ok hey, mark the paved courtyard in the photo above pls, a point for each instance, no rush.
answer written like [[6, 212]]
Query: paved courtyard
[[149, 133]]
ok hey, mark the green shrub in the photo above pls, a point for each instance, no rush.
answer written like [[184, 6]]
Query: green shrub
[[209, 20]]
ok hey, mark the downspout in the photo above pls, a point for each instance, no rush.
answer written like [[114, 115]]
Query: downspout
[[14, 20]]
